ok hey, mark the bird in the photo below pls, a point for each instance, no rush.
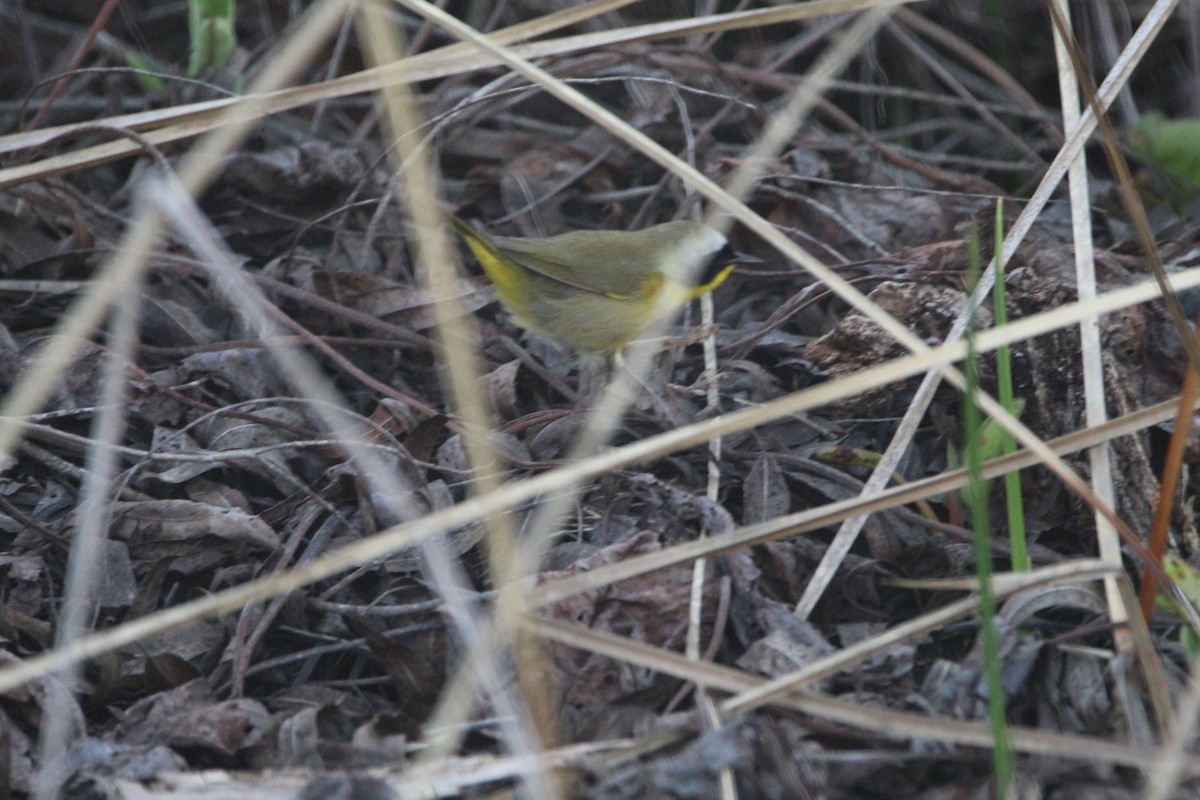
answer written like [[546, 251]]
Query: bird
[[596, 290]]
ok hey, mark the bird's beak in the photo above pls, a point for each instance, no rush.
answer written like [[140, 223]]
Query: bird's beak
[[742, 258]]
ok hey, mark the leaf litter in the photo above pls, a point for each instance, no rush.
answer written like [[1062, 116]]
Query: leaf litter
[[226, 474]]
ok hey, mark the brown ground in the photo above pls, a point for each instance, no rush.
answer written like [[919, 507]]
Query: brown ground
[[882, 183]]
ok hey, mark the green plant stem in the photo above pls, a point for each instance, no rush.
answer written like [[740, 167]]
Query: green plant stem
[[1002, 763], [1008, 444]]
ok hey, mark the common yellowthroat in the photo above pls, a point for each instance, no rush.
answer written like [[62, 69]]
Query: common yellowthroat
[[594, 291]]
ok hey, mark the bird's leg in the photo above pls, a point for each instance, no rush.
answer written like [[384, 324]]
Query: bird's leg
[[656, 394], [593, 376]]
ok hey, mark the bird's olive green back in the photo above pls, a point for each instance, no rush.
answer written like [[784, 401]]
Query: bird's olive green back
[[611, 263]]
